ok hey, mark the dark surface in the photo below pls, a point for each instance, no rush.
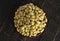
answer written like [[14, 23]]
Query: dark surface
[[8, 31]]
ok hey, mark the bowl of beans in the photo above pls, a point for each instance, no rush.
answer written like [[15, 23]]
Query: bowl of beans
[[30, 20]]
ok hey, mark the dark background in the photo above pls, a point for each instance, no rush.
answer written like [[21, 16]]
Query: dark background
[[8, 31]]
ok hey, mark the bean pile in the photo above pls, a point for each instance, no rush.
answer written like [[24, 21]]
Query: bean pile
[[30, 20]]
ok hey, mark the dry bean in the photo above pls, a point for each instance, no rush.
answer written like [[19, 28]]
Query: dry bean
[[30, 20]]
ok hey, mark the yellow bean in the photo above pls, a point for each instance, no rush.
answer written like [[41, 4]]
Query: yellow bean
[[30, 20]]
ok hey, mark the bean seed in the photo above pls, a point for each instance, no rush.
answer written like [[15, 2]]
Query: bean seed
[[30, 20]]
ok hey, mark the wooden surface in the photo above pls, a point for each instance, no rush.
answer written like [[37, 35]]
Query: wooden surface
[[8, 31]]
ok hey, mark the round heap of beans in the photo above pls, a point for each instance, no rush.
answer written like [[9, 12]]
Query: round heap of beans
[[30, 20]]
